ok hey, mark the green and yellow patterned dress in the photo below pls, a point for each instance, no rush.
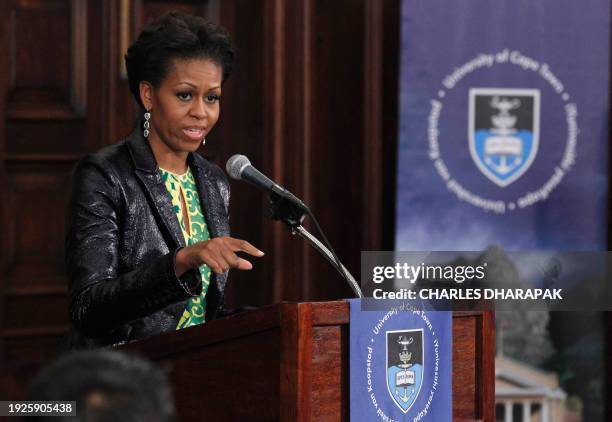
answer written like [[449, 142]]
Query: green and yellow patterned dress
[[177, 185]]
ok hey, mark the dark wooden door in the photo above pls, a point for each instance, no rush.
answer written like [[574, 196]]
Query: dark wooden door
[[46, 105]]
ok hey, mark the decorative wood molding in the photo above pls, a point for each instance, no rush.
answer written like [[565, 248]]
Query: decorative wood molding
[[79, 56], [34, 245], [213, 11], [307, 135], [125, 24], [274, 105], [389, 121], [57, 111], [50, 289], [53, 101], [35, 332], [40, 158]]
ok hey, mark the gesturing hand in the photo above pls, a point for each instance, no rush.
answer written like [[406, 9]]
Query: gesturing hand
[[218, 253]]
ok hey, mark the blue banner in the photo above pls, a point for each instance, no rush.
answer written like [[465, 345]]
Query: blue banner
[[503, 140], [401, 364], [503, 125]]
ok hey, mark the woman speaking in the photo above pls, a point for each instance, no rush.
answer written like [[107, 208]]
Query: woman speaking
[[147, 235]]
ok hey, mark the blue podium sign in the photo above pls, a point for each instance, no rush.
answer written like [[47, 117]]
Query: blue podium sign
[[401, 364]]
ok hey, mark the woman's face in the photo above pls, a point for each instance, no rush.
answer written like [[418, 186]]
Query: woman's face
[[185, 105]]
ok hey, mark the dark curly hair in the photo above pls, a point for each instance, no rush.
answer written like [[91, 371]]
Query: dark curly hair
[[175, 35]]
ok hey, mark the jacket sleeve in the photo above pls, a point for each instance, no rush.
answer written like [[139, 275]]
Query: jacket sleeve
[[101, 296]]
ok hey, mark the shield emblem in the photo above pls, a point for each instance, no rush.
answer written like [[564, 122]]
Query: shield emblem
[[405, 362], [504, 131]]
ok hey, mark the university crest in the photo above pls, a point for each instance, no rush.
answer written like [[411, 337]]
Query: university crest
[[504, 131], [405, 363]]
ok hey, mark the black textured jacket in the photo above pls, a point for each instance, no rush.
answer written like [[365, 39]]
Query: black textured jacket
[[122, 236]]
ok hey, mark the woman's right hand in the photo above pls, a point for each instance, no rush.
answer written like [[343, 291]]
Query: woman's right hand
[[218, 253]]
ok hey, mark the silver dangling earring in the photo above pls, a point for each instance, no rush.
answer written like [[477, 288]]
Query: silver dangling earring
[[203, 141], [147, 116]]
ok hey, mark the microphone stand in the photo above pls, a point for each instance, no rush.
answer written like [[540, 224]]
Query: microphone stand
[[292, 214]]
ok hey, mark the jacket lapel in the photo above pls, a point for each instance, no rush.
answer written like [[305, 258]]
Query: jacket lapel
[[147, 171], [210, 198], [158, 195]]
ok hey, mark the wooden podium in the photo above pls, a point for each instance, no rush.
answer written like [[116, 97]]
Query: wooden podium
[[290, 362]]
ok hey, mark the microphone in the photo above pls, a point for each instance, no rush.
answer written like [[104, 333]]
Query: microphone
[[239, 168], [289, 209]]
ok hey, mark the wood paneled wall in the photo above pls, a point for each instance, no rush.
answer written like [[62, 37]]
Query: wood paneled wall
[[312, 103]]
